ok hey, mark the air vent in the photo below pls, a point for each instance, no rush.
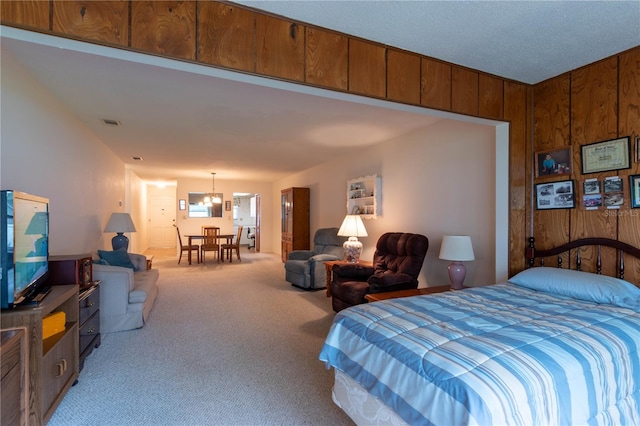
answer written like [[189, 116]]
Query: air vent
[[137, 158], [110, 122]]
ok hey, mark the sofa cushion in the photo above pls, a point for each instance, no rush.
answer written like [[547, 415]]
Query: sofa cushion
[[118, 257], [144, 282]]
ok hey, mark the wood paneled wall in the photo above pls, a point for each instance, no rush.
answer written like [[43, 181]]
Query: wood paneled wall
[[597, 102], [594, 103]]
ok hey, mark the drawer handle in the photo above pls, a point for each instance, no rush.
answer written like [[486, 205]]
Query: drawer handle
[[91, 330], [62, 367], [90, 303]]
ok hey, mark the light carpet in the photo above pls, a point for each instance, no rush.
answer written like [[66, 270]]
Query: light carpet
[[225, 344]]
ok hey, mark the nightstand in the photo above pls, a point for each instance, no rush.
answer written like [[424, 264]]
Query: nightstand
[[375, 297], [329, 264]]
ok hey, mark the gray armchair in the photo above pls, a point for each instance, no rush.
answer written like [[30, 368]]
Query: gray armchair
[[305, 268]]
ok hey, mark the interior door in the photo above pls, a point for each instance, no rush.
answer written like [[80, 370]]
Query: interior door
[[162, 217], [258, 216]]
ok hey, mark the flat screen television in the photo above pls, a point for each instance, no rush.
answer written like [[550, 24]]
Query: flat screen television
[[24, 245]]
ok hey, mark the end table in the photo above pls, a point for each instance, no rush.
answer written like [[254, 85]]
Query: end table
[[328, 265], [375, 297]]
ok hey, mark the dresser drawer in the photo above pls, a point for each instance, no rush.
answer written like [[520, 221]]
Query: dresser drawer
[[89, 304], [89, 330]]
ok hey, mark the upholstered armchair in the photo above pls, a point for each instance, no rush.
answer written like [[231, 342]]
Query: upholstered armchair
[[305, 268], [397, 262]]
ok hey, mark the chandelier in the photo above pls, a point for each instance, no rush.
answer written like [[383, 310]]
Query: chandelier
[[213, 198]]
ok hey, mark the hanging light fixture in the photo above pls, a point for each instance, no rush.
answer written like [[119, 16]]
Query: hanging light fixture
[[212, 198]]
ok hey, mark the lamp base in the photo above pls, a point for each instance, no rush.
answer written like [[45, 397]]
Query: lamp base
[[120, 241], [352, 250], [457, 272]]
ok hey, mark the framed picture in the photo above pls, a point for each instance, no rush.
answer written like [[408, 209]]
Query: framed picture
[[591, 186], [635, 191], [607, 155], [553, 163], [227, 205], [613, 200], [182, 204], [592, 202], [638, 149], [555, 195], [612, 184]]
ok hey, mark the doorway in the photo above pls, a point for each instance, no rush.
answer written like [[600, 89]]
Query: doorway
[[246, 213], [162, 216]]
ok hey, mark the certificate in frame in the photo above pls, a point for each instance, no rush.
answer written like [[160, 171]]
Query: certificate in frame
[[606, 155]]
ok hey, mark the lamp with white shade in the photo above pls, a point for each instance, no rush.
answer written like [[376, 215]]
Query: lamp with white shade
[[456, 248], [120, 223], [353, 228]]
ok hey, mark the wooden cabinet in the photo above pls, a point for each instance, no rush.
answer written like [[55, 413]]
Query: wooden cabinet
[[53, 362], [363, 196], [295, 220], [78, 269], [13, 388]]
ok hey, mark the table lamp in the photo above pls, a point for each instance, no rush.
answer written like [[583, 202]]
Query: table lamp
[[120, 223], [456, 248], [353, 228]]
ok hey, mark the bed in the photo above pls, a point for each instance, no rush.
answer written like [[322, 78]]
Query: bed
[[551, 346]]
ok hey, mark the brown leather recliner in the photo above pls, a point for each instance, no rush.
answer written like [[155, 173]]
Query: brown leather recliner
[[397, 262]]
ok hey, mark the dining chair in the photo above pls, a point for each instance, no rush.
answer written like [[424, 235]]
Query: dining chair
[[228, 248], [209, 226], [210, 242], [186, 247]]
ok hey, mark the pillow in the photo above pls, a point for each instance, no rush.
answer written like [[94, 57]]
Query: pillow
[[118, 257], [580, 285]]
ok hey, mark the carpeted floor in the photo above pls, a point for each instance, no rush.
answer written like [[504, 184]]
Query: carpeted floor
[[225, 344]]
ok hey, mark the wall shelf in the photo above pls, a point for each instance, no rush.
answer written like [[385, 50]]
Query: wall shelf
[[364, 196]]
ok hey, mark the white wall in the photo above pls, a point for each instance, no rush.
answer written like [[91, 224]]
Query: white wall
[[46, 151], [435, 181]]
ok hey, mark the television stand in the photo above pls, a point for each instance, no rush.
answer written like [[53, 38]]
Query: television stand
[[53, 362]]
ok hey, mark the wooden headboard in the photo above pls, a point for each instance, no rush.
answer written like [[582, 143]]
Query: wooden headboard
[[621, 248]]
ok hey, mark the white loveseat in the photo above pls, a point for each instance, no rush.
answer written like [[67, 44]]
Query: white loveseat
[[126, 296]]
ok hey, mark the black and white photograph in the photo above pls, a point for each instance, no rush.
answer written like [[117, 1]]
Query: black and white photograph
[[612, 184], [591, 186], [555, 195], [592, 202]]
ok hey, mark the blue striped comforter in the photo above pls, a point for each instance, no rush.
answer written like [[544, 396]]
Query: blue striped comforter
[[494, 355]]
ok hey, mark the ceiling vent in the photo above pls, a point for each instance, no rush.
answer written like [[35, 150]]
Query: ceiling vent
[[110, 122], [137, 158]]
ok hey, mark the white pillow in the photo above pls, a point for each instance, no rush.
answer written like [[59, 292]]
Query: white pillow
[[580, 285]]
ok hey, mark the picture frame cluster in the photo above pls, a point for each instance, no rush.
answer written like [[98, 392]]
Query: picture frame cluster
[[608, 193], [597, 193]]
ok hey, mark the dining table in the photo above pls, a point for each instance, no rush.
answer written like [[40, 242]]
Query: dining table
[[196, 237]]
